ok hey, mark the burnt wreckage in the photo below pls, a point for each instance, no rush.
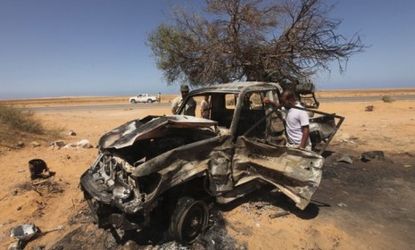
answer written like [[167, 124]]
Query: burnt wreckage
[[179, 163]]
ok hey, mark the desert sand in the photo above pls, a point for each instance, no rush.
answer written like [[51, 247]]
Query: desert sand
[[390, 128]]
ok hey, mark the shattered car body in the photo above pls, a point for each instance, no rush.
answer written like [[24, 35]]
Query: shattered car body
[[144, 163]]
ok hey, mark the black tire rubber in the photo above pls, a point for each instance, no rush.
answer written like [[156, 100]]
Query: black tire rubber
[[149, 101], [133, 101], [189, 219], [99, 211]]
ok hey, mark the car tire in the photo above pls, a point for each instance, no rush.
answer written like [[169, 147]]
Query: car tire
[[189, 219], [98, 211], [133, 101], [149, 101]]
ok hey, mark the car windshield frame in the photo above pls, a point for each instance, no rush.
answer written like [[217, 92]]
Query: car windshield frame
[[241, 89]]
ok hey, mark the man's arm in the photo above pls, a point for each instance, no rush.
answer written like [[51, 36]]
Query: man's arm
[[304, 139], [269, 102], [204, 106], [305, 129], [174, 106]]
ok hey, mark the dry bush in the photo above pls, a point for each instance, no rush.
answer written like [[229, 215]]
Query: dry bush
[[20, 125], [387, 99], [20, 120]]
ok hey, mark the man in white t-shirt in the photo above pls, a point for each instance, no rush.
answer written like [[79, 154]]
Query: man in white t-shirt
[[296, 121]]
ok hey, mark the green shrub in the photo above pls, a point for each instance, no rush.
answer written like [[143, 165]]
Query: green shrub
[[387, 98]]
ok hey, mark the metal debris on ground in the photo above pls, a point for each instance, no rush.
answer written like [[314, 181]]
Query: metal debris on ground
[[84, 143], [39, 170], [27, 232], [57, 144], [46, 187], [58, 228], [23, 233], [278, 213], [348, 139], [259, 207], [341, 204], [40, 186], [345, 158], [71, 133], [369, 108], [372, 155], [17, 245]]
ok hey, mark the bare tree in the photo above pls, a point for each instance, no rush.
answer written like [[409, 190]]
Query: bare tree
[[251, 39]]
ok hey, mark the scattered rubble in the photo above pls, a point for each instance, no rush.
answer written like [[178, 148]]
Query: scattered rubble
[[43, 187], [216, 237], [57, 144], [70, 145], [84, 143], [279, 213], [15, 246], [369, 108], [259, 207], [71, 133], [20, 144], [47, 187], [345, 158], [341, 204], [23, 233], [345, 138], [372, 155], [27, 232]]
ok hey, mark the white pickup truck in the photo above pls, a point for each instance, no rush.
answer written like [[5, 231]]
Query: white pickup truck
[[144, 98]]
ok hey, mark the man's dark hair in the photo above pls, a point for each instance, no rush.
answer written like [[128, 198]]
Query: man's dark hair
[[289, 94], [184, 88]]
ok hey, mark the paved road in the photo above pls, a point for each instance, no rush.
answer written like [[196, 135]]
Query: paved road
[[100, 107], [103, 107]]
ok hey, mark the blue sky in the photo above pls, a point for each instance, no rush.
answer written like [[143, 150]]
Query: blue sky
[[97, 47]]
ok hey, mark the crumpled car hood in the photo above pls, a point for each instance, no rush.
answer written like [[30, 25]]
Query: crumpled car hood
[[148, 127]]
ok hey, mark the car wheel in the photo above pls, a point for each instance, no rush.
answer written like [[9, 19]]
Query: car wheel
[[149, 101], [189, 219], [99, 213], [133, 101]]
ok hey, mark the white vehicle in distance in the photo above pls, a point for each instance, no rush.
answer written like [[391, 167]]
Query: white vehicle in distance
[[144, 98]]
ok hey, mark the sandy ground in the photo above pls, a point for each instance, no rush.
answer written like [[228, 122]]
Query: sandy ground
[[390, 127]]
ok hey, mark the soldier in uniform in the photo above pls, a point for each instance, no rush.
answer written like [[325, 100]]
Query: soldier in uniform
[[190, 106]]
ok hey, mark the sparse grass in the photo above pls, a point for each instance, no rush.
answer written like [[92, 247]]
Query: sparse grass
[[21, 125], [20, 120]]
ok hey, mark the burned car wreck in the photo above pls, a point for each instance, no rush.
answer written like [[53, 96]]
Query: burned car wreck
[[178, 164]]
